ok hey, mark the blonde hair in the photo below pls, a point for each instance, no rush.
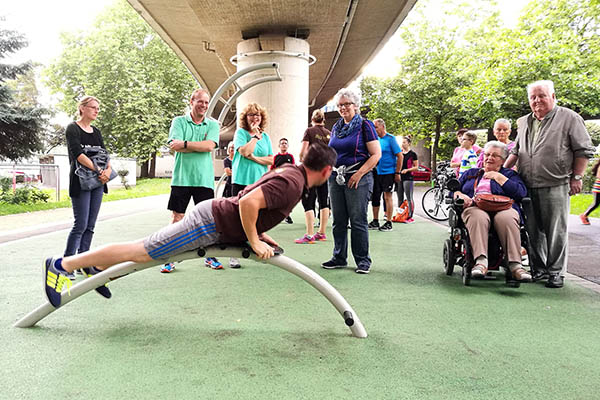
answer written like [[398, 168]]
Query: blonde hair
[[256, 109], [470, 135], [85, 100], [318, 116]]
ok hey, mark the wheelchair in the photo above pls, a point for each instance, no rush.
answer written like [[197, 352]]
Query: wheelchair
[[457, 248]]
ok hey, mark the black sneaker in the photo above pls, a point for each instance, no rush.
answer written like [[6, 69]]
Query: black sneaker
[[333, 264], [103, 290], [387, 227], [361, 269], [555, 281], [373, 224], [54, 282], [288, 220]]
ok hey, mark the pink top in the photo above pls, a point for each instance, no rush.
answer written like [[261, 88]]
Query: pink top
[[458, 155], [509, 147], [483, 186]]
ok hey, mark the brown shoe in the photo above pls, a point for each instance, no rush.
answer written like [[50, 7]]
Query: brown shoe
[[521, 275]]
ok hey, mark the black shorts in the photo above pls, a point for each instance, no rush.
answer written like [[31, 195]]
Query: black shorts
[[382, 184], [236, 188], [314, 193], [181, 195]]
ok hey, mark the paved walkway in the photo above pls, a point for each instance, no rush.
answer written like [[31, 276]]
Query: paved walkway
[[584, 241]]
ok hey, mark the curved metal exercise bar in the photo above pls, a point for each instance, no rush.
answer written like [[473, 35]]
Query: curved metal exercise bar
[[281, 261]]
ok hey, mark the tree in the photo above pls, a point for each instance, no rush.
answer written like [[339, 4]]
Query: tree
[[422, 99], [557, 40], [21, 123], [140, 82]]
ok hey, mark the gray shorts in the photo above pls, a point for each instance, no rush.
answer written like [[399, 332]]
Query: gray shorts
[[197, 229]]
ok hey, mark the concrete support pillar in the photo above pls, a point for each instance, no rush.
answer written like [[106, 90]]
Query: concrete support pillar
[[286, 102]]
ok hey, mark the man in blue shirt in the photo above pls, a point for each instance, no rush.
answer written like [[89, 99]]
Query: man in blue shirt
[[388, 172]]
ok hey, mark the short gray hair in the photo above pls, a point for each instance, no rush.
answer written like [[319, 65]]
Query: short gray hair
[[547, 83], [497, 145], [503, 121], [348, 93], [380, 121]]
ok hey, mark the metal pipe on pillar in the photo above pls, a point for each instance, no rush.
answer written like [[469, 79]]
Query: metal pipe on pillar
[[286, 101]]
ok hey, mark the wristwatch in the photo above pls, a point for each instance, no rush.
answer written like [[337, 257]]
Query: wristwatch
[[576, 177], [398, 173]]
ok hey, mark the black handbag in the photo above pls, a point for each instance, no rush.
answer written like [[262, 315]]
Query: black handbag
[[88, 179]]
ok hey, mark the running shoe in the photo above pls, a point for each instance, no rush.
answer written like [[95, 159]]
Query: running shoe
[[373, 224], [387, 227], [319, 237], [234, 263], [168, 267], [288, 220], [362, 269], [102, 290], [409, 221], [584, 219], [213, 263], [54, 282], [305, 240]]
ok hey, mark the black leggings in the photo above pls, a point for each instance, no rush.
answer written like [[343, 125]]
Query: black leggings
[[595, 205]]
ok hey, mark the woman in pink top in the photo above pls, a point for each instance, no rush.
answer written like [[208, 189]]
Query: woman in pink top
[[502, 132]]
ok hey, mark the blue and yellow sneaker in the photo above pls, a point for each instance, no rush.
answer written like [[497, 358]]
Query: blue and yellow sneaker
[[213, 263], [54, 282], [102, 290]]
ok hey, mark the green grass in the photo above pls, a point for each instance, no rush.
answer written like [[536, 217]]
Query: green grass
[[581, 202], [143, 188]]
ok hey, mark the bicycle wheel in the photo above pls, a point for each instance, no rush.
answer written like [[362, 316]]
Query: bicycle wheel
[[434, 204]]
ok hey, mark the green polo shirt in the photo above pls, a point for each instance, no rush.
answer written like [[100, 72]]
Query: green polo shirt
[[194, 169]]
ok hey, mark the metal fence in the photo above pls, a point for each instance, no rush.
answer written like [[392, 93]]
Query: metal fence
[[39, 175]]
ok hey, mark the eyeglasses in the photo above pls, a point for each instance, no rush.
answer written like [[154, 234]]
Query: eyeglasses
[[345, 105], [93, 108], [493, 155], [252, 115]]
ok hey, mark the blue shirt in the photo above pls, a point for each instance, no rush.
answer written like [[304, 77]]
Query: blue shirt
[[352, 149], [389, 149]]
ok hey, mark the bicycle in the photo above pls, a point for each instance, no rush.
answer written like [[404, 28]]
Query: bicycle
[[434, 199]]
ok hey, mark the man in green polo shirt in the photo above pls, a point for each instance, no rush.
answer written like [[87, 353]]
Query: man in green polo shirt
[[192, 137]]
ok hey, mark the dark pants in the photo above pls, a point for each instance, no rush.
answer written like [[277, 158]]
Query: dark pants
[[86, 207], [236, 188]]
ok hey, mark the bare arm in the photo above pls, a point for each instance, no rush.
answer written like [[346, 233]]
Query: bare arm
[[303, 150], [199, 147], [579, 165], [375, 151], [227, 171], [250, 205], [399, 160], [511, 161], [103, 175], [265, 160]]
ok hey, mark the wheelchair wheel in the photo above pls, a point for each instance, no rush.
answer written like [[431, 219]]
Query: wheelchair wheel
[[466, 276], [434, 205], [449, 257]]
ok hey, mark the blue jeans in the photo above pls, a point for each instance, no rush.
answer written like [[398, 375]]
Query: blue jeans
[[351, 205], [85, 211]]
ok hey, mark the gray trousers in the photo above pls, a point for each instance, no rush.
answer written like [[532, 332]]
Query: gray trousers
[[547, 219]]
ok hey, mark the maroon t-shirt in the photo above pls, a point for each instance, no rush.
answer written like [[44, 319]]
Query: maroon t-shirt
[[282, 187], [317, 133]]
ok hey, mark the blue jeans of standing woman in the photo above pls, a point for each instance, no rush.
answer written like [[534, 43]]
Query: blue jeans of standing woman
[[85, 211], [351, 205]]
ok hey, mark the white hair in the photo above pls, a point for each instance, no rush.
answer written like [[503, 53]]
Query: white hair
[[379, 121], [546, 83], [497, 145], [503, 121], [349, 94]]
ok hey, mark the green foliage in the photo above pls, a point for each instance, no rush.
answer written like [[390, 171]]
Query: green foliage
[[22, 195], [140, 82], [123, 175], [593, 129], [21, 123]]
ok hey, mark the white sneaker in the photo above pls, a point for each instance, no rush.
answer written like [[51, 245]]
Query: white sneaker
[[234, 263]]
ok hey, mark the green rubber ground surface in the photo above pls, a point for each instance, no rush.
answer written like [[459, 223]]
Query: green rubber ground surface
[[262, 333]]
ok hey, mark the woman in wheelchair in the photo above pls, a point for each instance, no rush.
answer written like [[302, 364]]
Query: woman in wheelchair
[[494, 179]]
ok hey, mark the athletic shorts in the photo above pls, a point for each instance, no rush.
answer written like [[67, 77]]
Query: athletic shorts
[[382, 184], [197, 229], [181, 195], [319, 192]]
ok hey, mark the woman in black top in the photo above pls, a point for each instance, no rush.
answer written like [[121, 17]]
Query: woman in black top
[[86, 203], [410, 163]]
